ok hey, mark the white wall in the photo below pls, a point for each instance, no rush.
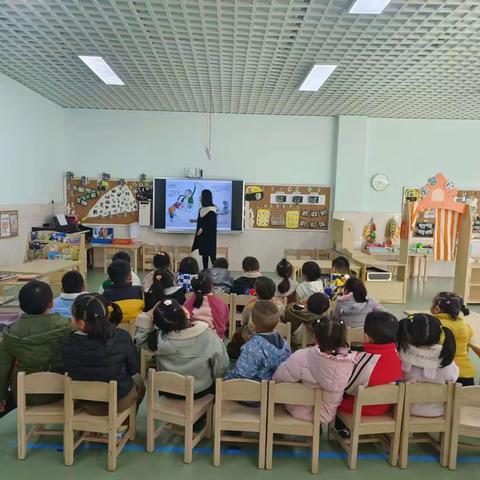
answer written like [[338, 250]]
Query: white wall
[[269, 149], [31, 161]]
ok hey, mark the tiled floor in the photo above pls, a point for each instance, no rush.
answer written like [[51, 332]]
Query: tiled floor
[[44, 460]]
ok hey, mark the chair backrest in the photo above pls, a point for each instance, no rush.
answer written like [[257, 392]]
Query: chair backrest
[[91, 391], [222, 252], [41, 383], [241, 390], [169, 382], [291, 253], [355, 335], [380, 395], [467, 396], [285, 330], [308, 338], [148, 252], [227, 298], [242, 300], [293, 394], [321, 254], [427, 393], [306, 254]]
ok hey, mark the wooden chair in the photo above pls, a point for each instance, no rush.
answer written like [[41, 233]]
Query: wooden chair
[[418, 429], [291, 253], [373, 428], [308, 338], [146, 357], [281, 422], [222, 252], [148, 252], [129, 326], [321, 254], [236, 316], [306, 254], [466, 420], [180, 254], [172, 412], [89, 425], [285, 330], [355, 336], [49, 414], [234, 417]]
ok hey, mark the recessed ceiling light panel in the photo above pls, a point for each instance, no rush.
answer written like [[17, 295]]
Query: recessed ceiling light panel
[[102, 69], [316, 77], [369, 7]]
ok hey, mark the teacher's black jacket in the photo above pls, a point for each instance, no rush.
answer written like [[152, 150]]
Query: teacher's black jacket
[[206, 243]]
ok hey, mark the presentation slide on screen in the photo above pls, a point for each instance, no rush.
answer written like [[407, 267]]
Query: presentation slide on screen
[[183, 202]]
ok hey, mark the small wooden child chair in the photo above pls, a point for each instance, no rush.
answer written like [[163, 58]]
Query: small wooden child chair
[[281, 422], [306, 254], [285, 330], [418, 429], [146, 358], [49, 414], [180, 254], [373, 428], [234, 417], [236, 316], [355, 336], [81, 421], [291, 253], [148, 252], [466, 420], [172, 412], [222, 252]]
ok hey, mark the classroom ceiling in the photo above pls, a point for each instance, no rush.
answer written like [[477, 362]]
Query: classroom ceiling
[[419, 59]]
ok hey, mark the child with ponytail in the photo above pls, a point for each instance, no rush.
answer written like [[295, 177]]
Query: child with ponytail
[[96, 351], [163, 287], [206, 307], [328, 365], [287, 286], [425, 359], [182, 346], [447, 307]]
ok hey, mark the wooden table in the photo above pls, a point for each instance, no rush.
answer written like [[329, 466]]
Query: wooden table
[[420, 259], [473, 320], [45, 269], [110, 249]]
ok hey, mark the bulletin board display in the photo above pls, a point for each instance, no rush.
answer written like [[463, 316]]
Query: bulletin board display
[[287, 207], [8, 224], [425, 223], [111, 202]]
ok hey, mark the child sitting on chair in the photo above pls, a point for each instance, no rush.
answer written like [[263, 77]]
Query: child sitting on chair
[[312, 282], [187, 271], [287, 286], [72, 286], [222, 280], [126, 258], [161, 261], [206, 307], [266, 350], [245, 284], [339, 274], [163, 287], [328, 365]]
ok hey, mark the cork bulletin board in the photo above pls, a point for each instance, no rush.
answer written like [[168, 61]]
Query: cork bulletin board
[[287, 207], [106, 202]]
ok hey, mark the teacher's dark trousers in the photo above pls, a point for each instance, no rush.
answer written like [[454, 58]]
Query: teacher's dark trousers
[[205, 260]]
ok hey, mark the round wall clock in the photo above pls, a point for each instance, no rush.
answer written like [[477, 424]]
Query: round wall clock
[[380, 182]]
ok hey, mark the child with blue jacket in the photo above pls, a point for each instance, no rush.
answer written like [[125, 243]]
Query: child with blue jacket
[[266, 350], [73, 285]]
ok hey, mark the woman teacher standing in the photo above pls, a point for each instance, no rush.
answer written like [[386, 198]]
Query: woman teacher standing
[[206, 234]]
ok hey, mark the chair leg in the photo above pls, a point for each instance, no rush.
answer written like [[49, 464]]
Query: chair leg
[[132, 424], [22, 440], [150, 432], [187, 458], [208, 431], [216, 444], [353, 451], [112, 450], [452, 461], [68, 441], [269, 451], [444, 448], [315, 453], [404, 448]]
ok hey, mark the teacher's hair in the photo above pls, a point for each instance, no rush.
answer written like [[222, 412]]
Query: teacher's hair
[[206, 198]]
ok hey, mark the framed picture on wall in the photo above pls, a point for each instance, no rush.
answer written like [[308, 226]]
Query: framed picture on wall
[[9, 224]]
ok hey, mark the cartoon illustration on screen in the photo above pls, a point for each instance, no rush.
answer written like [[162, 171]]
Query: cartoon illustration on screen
[[184, 201]]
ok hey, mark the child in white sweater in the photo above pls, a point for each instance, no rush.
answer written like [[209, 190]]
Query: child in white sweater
[[424, 358]]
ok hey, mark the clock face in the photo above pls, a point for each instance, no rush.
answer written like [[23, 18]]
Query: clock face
[[380, 182]]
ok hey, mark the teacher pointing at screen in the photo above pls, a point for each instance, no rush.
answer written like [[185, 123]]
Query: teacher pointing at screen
[[206, 235]]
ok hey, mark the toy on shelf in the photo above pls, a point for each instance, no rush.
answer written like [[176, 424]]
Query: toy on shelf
[[392, 232], [420, 248], [370, 232], [380, 249]]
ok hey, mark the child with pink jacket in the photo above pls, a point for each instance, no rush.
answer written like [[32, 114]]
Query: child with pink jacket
[[204, 306], [328, 365]]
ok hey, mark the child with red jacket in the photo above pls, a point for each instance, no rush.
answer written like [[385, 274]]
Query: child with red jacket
[[206, 307], [378, 364]]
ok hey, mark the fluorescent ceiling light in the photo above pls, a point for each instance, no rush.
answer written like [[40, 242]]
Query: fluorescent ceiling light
[[316, 77], [373, 7], [102, 69]]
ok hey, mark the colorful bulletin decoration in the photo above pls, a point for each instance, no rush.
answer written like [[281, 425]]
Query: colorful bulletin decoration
[[287, 207], [107, 202], [441, 196], [9, 224]]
